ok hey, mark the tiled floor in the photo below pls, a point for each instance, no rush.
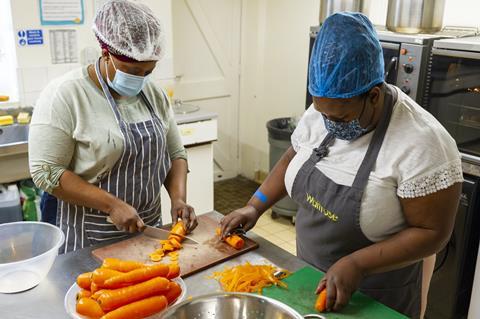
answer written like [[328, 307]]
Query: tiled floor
[[234, 193], [279, 231]]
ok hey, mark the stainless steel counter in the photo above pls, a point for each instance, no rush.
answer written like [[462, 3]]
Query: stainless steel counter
[[46, 300]]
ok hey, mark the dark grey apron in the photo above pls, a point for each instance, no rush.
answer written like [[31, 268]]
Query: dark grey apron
[[328, 223], [136, 179]]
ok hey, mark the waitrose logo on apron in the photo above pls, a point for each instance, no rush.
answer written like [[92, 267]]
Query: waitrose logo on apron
[[318, 206]]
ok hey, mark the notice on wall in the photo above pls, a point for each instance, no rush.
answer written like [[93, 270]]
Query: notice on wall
[[63, 46], [30, 37], [61, 12]]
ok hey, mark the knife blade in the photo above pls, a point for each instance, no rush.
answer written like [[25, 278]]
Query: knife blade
[[163, 234]]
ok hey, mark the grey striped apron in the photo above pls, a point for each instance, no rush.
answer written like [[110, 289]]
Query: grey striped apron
[[328, 222], [136, 179]]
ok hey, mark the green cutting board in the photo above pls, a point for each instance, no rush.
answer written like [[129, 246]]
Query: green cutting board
[[300, 295]]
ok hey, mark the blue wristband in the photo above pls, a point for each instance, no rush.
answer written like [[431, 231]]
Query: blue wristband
[[261, 196]]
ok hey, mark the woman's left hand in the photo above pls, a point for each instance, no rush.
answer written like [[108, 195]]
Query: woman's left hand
[[341, 281], [185, 212]]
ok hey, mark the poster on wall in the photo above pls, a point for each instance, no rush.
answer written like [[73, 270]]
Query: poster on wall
[[61, 12], [63, 46]]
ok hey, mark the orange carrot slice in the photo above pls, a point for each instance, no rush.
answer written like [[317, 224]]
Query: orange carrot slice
[[179, 229], [137, 275], [321, 303], [139, 309], [90, 308], [113, 299]]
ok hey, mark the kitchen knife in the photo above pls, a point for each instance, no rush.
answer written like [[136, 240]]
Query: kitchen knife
[[163, 234]]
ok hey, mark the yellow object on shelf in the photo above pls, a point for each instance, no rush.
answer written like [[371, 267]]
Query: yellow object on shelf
[[6, 120], [23, 118], [4, 98]]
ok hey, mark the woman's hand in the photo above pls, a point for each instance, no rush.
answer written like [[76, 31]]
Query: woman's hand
[[185, 212], [341, 281], [125, 217], [245, 217]]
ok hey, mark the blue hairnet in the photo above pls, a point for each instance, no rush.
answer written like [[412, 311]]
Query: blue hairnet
[[347, 58]]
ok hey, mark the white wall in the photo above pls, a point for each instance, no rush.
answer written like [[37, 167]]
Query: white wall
[[274, 63], [34, 67]]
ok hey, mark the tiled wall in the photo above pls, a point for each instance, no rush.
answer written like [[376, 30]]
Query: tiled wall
[[32, 80]]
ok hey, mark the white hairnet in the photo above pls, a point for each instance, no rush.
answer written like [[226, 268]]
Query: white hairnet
[[131, 29]]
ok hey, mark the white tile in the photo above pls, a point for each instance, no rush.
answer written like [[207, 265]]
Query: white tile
[[20, 81], [274, 240], [34, 79], [275, 227], [287, 235], [56, 70], [30, 98]]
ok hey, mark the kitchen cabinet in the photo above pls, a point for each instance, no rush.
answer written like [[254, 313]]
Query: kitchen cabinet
[[197, 137]]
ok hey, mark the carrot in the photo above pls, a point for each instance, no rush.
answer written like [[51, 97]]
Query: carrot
[[83, 293], [321, 303], [100, 275], [113, 299], [179, 229], [121, 265], [174, 271], [84, 280], [175, 243], [174, 236], [235, 241], [174, 292], [139, 309], [94, 288], [90, 308], [137, 275], [97, 294]]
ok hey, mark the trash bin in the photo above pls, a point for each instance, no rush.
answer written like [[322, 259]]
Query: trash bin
[[10, 209], [279, 133]]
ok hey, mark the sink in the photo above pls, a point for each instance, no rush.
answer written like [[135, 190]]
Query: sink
[[13, 139], [13, 134]]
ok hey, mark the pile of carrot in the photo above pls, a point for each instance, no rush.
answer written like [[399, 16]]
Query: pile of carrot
[[235, 241], [170, 246], [249, 278], [122, 289]]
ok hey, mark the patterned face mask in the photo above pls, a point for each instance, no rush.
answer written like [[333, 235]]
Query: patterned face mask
[[347, 131]]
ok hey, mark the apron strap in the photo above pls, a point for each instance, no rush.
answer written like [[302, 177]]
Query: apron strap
[[361, 179], [322, 150]]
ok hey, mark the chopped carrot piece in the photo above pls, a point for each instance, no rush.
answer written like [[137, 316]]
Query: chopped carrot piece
[[321, 302], [155, 257]]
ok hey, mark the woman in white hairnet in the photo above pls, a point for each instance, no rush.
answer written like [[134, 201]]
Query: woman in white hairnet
[[103, 139]]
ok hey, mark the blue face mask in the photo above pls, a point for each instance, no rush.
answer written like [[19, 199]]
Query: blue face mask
[[126, 84], [348, 131]]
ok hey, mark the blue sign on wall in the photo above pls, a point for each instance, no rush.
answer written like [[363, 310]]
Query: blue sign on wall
[[30, 37]]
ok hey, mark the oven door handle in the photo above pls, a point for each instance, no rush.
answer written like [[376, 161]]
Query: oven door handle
[[390, 66], [457, 54]]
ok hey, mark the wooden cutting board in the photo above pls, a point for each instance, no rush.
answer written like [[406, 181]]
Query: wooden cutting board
[[192, 258]]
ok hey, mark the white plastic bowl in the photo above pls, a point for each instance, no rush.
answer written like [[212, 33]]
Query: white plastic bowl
[[27, 252]]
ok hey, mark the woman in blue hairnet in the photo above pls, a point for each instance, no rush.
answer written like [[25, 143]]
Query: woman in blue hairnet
[[103, 139], [376, 177]]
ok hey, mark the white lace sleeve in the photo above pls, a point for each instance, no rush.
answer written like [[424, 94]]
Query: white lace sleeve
[[440, 178]]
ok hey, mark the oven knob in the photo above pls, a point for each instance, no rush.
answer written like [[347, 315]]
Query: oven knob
[[408, 68], [405, 89]]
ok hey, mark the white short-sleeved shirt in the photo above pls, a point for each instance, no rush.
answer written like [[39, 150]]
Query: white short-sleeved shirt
[[418, 157]]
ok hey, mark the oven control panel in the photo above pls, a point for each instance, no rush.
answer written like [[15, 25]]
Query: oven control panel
[[411, 69]]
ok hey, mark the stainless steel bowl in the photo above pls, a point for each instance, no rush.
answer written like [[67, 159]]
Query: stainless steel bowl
[[415, 16], [233, 306]]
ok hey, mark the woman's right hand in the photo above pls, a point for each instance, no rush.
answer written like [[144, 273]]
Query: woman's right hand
[[125, 217], [245, 217]]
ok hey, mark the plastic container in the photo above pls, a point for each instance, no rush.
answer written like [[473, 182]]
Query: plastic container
[[27, 252], [10, 209], [279, 132]]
